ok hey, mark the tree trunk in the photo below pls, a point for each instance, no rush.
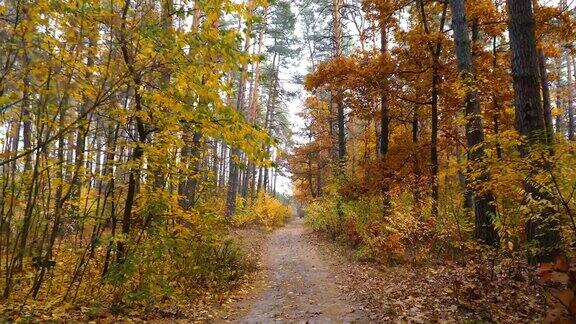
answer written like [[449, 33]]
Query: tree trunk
[[542, 227], [232, 183], [416, 163], [138, 152], [270, 107], [495, 105], [384, 118], [254, 104], [484, 210], [235, 154], [340, 118], [191, 157], [570, 88], [435, 51], [558, 92], [546, 102]]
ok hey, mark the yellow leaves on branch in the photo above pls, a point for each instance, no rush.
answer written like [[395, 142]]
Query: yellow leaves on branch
[[554, 24], [486, 13], [350, 72]]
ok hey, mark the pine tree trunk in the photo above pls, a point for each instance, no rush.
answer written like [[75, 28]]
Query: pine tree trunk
[[484, 210], [232, 183], [546, 102], [235, 156], [340, 118], [495, 105], [191, 157], [384, 118], [416, 163], [542, 227], [558, 93], [570, 87]]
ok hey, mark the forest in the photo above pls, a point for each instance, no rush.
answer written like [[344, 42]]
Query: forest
[[256, 161]]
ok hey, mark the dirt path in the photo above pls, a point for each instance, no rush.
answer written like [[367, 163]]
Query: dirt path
[[300, 285]]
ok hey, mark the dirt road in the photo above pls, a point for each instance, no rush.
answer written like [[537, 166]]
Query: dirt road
[[300, 285]]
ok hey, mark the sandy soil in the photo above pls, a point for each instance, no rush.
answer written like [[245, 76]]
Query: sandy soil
[[299, 285]]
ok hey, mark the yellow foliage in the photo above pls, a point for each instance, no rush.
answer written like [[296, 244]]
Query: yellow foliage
[[265, 211], [363, 224]]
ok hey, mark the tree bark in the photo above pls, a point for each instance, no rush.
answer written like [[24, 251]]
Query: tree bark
[[340, 118], [384, 118], [558, 93], [484, 210], [138, 152], [542, 227], [570, 88], [191, 157], [435, 51], [546, 102], [235, 153]]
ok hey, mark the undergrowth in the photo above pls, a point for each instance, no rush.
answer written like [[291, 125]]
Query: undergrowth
[[180, 258], [265, 211]]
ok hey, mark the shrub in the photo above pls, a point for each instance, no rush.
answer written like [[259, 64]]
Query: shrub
[[191, 257], [363, 225], [265, 211]]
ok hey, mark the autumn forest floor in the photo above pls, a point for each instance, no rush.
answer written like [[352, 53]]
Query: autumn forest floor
[[302, 277], [305, 278]]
